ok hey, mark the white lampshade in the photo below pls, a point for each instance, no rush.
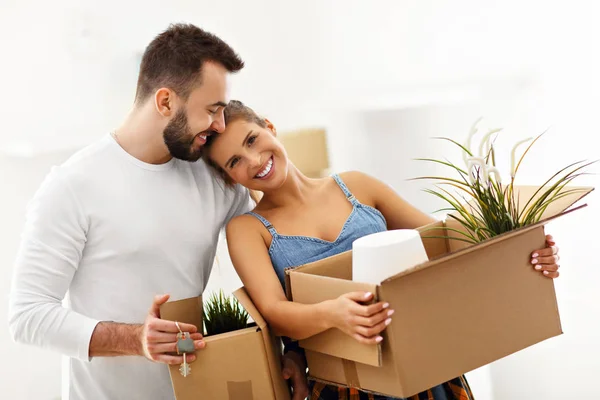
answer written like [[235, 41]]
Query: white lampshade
[[381, 255]]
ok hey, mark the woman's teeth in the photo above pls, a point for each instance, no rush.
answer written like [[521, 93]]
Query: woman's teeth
[[202, 136], [267, 169]]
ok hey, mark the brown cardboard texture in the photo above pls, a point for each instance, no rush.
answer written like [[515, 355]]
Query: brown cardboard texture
[[243, 364], [467, 307], [307, 149]]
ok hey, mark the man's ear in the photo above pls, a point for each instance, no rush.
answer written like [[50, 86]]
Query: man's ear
[[271, 127], [164, 101]]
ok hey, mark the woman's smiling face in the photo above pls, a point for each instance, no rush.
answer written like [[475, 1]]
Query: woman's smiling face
[[250, 155]]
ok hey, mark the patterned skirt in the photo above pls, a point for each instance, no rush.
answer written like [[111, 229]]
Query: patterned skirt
[[456, 389]]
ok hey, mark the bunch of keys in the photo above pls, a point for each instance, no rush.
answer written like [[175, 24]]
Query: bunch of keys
[[185, 345]]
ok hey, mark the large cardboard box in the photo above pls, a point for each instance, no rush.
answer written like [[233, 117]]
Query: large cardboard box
[[468, 306], [240, 365]]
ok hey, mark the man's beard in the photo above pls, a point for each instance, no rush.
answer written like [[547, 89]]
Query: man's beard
[[180, 140]]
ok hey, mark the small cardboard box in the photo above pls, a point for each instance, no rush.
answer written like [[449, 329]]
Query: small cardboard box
[[468, 306], [239, 365], [307, 149]]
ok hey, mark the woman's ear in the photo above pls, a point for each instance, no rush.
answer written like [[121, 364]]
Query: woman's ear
[[271, 127]]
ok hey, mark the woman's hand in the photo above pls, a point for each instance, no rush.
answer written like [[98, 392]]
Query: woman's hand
[[546, 260], [362, 322]]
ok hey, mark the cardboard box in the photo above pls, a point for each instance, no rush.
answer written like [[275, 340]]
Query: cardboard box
[[307, 149], [239, 365], [467, 307]]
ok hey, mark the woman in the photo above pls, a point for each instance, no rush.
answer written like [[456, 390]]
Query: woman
[[301, 220]]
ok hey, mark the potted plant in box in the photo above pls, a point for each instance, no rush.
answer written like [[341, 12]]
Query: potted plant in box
[[482, 203], [223, 314]]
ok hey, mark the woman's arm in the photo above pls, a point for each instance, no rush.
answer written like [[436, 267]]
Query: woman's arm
[[402, 215], [250, 257], [399, 213]]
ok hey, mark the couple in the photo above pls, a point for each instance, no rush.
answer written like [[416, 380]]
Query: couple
[[136, 214]]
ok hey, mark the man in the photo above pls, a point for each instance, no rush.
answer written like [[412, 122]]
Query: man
[[126, 219]]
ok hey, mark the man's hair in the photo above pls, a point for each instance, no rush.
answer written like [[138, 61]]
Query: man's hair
[[174, 59]]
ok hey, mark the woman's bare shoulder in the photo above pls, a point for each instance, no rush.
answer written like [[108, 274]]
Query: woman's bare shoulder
[[362, 185], [247, 226]]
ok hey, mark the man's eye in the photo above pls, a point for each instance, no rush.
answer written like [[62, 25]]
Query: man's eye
[[213, 112]]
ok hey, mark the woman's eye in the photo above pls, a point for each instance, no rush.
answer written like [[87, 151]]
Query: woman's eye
[[233, 162], [251, 140]]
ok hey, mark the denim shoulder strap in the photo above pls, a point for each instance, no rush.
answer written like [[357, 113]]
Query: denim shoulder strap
[[345, 189], [264, 221]]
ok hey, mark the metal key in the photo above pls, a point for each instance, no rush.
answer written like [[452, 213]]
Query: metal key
[[185, 345], [185, 369]]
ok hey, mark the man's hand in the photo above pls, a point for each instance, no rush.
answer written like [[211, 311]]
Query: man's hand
[[158, 337], [294, 369]]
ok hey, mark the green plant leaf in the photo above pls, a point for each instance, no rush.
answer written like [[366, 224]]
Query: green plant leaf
[[446, 163], [490, 207], [439, 178], [456, 143], [527, 151], [223, 314], [528, 209]]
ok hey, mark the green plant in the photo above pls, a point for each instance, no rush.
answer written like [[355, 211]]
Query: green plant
[[223, 314], [481, 203]]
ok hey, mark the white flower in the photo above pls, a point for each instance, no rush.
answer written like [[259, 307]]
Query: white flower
[[486, 145], [472, 133], [512, 156]]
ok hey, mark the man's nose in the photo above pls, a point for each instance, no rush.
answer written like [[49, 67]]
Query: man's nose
[[218, 124]]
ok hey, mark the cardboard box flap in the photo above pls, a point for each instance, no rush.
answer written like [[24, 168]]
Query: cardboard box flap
[[478, 246], [313, 288], [248, 305], [188, 311], [528, 194], [569, 196], [333, 267], [434, 246], [272, 349]]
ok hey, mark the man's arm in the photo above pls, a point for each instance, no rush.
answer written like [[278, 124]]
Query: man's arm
[[154, 339], [51, 248], [112, 339]]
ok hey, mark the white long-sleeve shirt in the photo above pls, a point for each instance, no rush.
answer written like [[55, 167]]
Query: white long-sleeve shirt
[[110, 232]]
